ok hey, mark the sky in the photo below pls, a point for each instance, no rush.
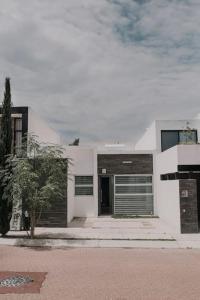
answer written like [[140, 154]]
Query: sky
[[102, 70]]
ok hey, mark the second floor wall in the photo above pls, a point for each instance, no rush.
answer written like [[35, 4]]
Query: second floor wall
[[164, 134], [25, 121]]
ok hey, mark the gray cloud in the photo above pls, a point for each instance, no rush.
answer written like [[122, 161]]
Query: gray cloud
[[102, 70]]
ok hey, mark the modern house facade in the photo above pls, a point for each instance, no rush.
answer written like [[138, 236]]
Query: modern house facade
[[113, 180], [159, 176]]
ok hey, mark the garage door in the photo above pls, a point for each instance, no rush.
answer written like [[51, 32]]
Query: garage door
[[133, 195]]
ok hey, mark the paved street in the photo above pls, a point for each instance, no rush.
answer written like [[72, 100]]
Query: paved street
[[107, 274]]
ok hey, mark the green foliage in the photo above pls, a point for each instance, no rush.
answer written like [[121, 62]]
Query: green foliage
[[6, 124], [5, 150], [38, 177], [188, 136]]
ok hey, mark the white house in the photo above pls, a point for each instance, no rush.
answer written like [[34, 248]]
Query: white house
[[159, 176]]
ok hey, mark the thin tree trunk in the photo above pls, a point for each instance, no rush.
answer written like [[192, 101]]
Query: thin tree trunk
[[32, 224]]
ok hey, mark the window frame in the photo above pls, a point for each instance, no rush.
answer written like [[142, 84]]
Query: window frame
[[178, 131], [15, 119], [84, 185]]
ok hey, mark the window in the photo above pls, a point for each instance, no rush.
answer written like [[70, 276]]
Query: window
[[170, 138], [83, 185], [188, 137], [16, 133]]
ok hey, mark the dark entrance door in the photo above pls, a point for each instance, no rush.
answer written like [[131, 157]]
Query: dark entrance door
[[105, 205]]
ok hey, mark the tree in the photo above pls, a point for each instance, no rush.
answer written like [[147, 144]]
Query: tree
[[38, 177], [5, 150]]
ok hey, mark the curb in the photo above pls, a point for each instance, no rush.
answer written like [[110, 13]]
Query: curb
[[89, 243]]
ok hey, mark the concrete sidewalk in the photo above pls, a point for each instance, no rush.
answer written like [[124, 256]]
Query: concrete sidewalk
[[107, 232], [106, 228]]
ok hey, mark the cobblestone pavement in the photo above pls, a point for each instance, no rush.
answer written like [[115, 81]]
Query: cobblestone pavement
[[107, 274]]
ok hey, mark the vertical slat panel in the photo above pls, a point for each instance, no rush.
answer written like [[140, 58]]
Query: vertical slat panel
[[133, 195]]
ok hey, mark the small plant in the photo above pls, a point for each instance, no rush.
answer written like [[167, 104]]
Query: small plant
[[188, 136]]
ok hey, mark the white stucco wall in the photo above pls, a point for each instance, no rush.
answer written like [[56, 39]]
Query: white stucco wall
[[40, 128], [83, 162], [165, 162], [151, 140], [188, 154], [167, 192], [169, 204], [148, 140]]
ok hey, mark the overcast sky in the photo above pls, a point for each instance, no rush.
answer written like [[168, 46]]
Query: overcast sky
[[102, 70]]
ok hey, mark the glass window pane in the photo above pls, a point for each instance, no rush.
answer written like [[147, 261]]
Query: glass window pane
[[133, 189], [18, 124], [169, 139], [18, 139], [83, 180], [83, 185], [133, 179], [83, 190], [188, 137]]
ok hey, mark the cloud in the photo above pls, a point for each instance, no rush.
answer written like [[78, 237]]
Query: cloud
[[102, 70]]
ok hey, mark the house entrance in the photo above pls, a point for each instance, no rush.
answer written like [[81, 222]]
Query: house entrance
[[105, 195]]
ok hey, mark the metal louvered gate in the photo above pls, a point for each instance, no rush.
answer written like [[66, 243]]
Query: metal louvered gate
[[133, 195]]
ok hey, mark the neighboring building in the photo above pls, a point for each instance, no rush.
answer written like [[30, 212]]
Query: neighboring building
[[176, 171], [25, 121]]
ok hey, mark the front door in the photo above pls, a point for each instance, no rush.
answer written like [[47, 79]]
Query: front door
[[105, 198]]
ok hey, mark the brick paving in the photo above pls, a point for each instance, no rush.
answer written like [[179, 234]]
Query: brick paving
[[107, 274]]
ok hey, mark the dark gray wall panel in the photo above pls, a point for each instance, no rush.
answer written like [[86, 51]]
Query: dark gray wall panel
[[55, 216], [188, 206], [113, 163]]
